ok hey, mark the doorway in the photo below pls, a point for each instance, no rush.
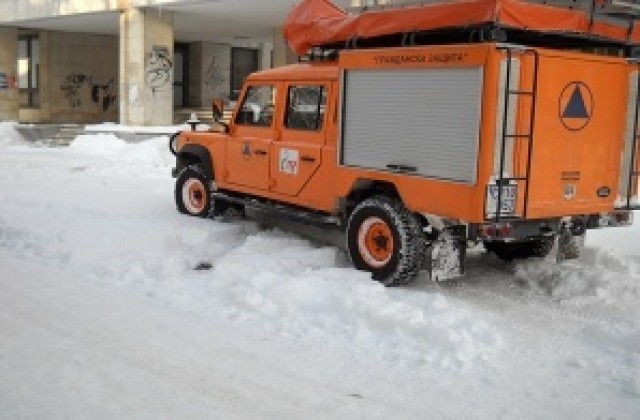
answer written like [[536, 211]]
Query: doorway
[[244, 61], [181, 75]]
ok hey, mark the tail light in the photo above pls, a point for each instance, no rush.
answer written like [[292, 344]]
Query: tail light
[[496, 230]]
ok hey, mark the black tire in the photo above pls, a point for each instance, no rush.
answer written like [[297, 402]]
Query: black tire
[[193, 192], [399, 246], [509, 251], [172, 143], [230, 212]]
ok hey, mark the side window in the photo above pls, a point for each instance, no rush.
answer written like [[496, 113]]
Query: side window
[[258, 106], [305, 108]]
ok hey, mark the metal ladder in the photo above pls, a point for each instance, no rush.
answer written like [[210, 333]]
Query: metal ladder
[[528, 136]]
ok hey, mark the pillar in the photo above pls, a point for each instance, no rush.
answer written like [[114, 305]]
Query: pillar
[[146, 67], [9, 105], [282, 54], [266, 56]]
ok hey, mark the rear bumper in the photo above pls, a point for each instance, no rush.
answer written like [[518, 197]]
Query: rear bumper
[[518, 229], [617, 218]]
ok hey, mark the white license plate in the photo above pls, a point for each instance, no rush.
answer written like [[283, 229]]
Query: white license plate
[[507, 201]]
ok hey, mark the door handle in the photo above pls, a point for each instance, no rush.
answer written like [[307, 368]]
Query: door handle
[[260, 152], [402, 168], [309, 159]]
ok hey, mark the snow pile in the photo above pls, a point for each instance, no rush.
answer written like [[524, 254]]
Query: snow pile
[[8, 133], [106, 145], [598, 278], [301, 293], [291, 288], [107, 154], [118, 128]]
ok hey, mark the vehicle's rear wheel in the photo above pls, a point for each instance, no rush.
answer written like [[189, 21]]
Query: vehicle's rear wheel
[[193, 193], [384, 238], [509, 251]]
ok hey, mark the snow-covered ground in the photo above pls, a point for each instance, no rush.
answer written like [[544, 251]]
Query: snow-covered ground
[[102, 314]]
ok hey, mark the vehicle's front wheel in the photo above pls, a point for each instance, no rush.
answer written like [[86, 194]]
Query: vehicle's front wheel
[[193, 193], [384, 238]]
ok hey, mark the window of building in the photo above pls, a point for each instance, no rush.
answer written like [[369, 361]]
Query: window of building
[[305, 108], [29, 70], [258, 106]]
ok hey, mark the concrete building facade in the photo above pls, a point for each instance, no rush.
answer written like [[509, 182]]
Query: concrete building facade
[[132, 61]]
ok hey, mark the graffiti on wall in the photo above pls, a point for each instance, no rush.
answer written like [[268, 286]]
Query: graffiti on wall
[[75, 85], [71, 86], [158, 69], [7, 81], [214, 79], [104, 94]]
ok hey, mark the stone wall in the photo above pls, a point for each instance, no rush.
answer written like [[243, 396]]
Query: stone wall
[[210, 70], [78, 79], [13, 10], [216, 72], [146, 66], [83, 77], [282, 54], [8, 74]]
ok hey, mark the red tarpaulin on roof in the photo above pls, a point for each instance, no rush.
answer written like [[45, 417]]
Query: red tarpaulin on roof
[[319, 22]]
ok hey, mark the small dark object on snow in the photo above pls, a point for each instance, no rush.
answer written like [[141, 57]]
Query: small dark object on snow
[[203, 266]]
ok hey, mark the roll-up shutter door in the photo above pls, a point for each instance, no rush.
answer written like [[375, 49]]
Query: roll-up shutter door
[[427, 119]]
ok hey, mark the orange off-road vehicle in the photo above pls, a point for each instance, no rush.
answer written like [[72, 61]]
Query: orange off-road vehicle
[[415, 151]]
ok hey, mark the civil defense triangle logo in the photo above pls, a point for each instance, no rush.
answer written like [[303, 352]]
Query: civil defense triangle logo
[[575, 106]]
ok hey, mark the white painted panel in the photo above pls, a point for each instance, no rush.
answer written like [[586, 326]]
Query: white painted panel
[[627, 152], [428, 119]]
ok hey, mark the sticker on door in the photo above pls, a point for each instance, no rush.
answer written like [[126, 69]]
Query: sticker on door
[[289, 161]]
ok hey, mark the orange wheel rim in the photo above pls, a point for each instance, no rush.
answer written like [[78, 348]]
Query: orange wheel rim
[[194, 196], [375, 242]]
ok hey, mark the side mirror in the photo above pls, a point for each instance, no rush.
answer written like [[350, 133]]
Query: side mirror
[[217, 109]]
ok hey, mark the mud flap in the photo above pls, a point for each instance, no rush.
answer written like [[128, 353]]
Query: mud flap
[[569, 246], [447, 259]]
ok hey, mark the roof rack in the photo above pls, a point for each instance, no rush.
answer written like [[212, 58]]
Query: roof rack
[[620, 9], [617, 8], [580, 24], [319, 54], [393, 5], [626, 9]]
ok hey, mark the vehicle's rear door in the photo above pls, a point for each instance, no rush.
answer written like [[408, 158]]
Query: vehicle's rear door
[[580, 122]]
